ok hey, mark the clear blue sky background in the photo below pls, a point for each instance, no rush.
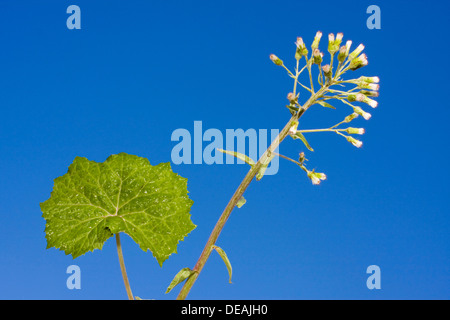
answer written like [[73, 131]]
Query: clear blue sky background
[[137, 70]]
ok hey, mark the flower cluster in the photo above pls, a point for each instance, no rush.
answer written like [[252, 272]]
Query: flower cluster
[[330, 79]]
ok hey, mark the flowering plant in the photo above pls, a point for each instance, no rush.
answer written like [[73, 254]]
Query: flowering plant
[[330, 76], [94, 201]]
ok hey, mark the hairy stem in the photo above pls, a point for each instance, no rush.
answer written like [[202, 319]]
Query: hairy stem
[[209, 247], [122, 268]]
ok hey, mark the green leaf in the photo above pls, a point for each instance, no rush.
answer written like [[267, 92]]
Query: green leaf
[[182, 275], [264, 164], [93, 201], [292, 109], [226, 260], [240, 156], [300, 136], [241, 202], [325, 104]]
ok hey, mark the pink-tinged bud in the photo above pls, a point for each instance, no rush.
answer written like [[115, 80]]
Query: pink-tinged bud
[[342, 54], [362, 113], [301, 49], [316, 177], [355, 130], [316, 41], [276, 60], [301, 157], [327, 71], [358, 62], [314, 180], [317, 56], [370, 79], [354, 142], [330, 37], [292, 97], [356, 52], [338, 40], [369, 86], [334, 43], [362, 98]]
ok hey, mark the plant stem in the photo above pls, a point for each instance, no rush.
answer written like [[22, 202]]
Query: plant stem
[[209, 247], [122, 268], [321, 130]]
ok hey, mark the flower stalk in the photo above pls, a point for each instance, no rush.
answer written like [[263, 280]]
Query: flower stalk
[[346, 61]]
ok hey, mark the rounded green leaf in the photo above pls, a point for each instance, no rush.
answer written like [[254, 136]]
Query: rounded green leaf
[[93, 201]]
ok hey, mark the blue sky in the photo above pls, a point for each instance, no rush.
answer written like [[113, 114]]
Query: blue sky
[[138, 70]]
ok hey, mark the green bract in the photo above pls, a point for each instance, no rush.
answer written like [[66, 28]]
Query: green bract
[[93, 201]]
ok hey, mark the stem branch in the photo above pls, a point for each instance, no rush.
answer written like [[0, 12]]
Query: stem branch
[[209, 247]]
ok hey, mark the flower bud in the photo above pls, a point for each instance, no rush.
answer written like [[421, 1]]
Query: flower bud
[[331, 48], [338, 39], [358, 62], [327, 71], [292, 98], [348, 44], [352, 97], [354, 142], [362, 113], [369, 86], [351, 117], [355, 130], [330, 38], [276, 60], [316, 177], [370, 102], [356, 52], [317, 56], [316, 41], [343, 52], [334, 43], [301, 157], [370, 93], [293, 128], [301, 49], [362, 98], [369, 79]]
